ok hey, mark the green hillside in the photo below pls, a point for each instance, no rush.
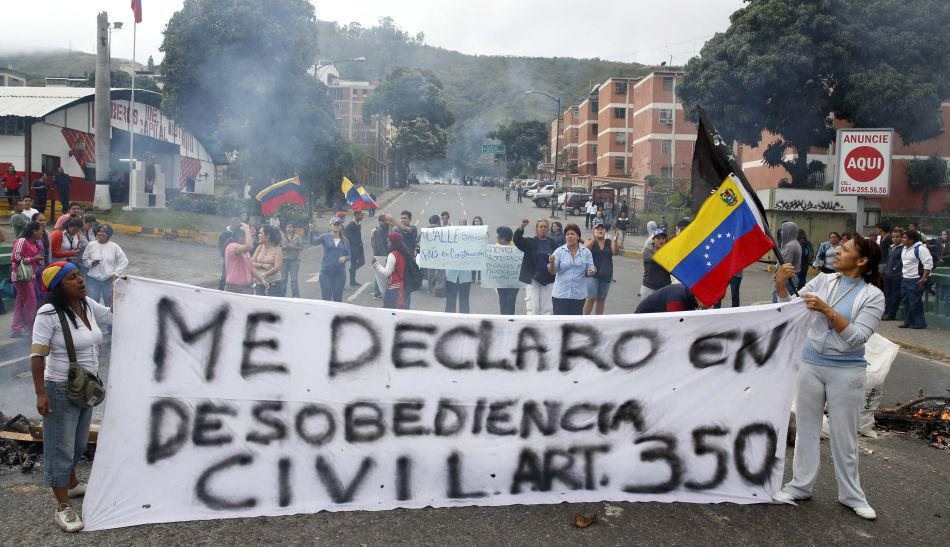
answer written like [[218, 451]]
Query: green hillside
[[482, 91], [57, 62]]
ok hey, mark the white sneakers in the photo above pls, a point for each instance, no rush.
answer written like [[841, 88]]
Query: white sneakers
[[78, 490], [67, 519], [865, 512]]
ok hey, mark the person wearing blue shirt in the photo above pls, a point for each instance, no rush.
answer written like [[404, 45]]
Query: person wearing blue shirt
[[571, 265], [846, 308], [336, 250]]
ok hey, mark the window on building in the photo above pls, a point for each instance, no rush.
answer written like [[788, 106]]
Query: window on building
[[667, 83], [577, 133], [336, 93], [620, 88], [620, 138], [620, 113], [594, 129], [666, 116], [10, 125], [593, 151], [619, 163], [575, 111], [594, 107], [666, 172], [573, 151], [666, 147], [940, 120]]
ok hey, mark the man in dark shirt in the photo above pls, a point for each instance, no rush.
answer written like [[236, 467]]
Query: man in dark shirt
[[62, 182], [654, 276], [670, 298], [354, 237]]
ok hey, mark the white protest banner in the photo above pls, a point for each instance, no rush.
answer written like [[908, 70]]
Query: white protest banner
[[222, 405], [453, 247], [502, 267]]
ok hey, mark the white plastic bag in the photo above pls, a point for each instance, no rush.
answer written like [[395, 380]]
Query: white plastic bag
[[880, 353]]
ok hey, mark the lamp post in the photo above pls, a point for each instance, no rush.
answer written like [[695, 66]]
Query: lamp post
[[557, 138]]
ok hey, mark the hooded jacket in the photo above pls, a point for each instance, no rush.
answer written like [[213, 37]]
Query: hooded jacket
[[790, 247]]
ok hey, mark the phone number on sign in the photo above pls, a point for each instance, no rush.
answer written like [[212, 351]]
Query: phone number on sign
[[849, 189]]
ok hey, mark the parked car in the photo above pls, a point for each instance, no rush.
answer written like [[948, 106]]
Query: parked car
[[531, 186], [542, 197], [574, 203]]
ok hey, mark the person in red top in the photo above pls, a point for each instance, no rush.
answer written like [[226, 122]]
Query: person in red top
[[396, 296], [11, 183], [675, 297], [65, 243]]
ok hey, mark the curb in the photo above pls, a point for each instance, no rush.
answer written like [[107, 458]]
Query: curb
[[637, 255], [918, 349]]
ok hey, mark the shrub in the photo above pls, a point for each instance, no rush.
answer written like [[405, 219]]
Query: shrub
[[292, 212], [227, 206]]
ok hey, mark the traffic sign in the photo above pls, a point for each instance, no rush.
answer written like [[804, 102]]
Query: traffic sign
[[864, 162], [498, 149]]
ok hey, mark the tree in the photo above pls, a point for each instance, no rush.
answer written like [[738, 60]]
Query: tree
[[925, 175], [414, 102], [523, 142], [237, 69], [121, 78], [793, 67]]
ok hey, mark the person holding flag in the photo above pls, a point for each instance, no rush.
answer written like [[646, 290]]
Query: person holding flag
[[357, 196], [847, 306]]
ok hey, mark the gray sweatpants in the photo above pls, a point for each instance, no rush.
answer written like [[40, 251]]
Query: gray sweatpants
[[843, 389]]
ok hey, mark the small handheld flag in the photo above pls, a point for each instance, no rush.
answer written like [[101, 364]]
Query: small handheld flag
[[137, 10], [728, 234], [357, 196], [285, 191]]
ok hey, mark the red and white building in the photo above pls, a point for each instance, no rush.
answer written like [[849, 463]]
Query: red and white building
[[902, 199], [43, 128]]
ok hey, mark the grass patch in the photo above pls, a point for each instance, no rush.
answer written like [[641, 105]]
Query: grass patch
[[164, 218]]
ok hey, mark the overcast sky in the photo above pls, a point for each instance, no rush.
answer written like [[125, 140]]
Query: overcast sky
[[647, 31]]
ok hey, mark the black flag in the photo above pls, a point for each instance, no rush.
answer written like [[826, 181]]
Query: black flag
[[713, 161]]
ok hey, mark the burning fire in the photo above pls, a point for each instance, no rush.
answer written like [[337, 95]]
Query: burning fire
[[924, 414]]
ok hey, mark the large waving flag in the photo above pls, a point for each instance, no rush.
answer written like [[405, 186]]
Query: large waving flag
[[728, 233], [357, 196], [285, 191], [137, 10]]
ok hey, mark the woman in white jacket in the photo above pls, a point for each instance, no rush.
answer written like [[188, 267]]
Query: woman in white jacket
[[847, 306], [104, 261]]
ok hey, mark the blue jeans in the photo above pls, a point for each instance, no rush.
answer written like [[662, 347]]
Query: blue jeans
[[892, 296], [507, 299], [457, 291], [100, 291], [332, 283], [391, 299], [65, 435], [290, 272], [912, 297]]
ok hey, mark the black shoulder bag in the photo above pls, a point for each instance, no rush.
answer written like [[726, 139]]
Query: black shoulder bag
[[85, 388]]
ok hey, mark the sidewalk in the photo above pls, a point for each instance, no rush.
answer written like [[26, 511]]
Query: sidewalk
[[933, 341]]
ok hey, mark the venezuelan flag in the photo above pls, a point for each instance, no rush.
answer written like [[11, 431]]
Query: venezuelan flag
[[357, 196], [285, 191], [728, 234]]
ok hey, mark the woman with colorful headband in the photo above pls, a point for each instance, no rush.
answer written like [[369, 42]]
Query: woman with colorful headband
[[65, 425]]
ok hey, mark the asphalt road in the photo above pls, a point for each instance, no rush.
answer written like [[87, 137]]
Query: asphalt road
[[904, 478]]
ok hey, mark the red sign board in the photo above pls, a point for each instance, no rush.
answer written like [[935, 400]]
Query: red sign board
[[864, 162]]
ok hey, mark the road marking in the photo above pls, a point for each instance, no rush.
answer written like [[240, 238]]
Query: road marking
[[13, 361], [359, 291], [313, 278]]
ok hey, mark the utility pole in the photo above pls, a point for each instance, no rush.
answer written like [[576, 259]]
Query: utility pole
[[103, 107]]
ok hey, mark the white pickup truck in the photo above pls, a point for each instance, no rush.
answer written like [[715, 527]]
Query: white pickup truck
[[542, 198]]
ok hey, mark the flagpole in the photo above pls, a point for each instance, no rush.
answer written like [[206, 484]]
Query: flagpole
[[135, 27]]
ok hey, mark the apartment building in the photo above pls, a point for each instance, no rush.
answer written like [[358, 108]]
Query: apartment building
[[902, 199], [626, 130], [661, 140], [570, 127], [587, 136], [348, 98]]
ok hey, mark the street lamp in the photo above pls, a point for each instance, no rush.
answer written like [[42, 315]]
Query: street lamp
[[557, 138], [116, 25]]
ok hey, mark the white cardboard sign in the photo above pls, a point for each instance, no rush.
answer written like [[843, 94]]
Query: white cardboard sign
[[453, 247], [502, 267], [222, 405], [864, 162]]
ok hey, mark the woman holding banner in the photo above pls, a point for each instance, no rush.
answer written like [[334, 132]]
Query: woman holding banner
[[571, 264], [847, 307], [65, 424]]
